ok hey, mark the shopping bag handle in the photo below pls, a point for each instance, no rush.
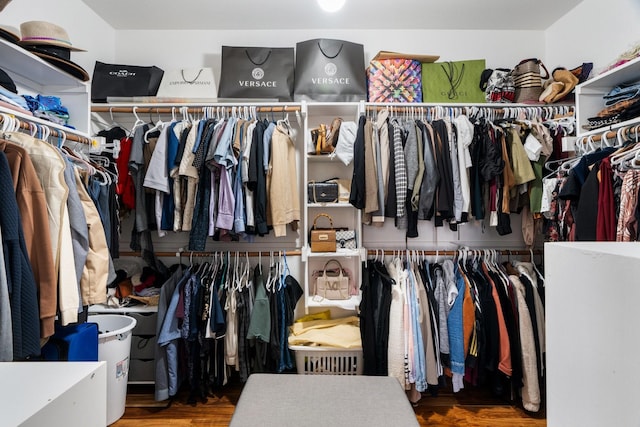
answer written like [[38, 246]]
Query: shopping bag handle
[[257, 64], [329, 56]]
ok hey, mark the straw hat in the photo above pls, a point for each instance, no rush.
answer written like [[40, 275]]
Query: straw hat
[[51, 43], [45, 33]]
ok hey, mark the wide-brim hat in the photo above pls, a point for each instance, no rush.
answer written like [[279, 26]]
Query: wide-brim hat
[[9, 33], [59, 57], [7, 82], [45, 33]]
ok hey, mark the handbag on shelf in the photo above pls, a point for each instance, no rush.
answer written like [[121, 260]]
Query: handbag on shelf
[[527, 79], [319, 141], [257, 72], [332, 286], [188, 83], [334, 132], [346, 239], [326, 191], [124, 81], [322, 239]]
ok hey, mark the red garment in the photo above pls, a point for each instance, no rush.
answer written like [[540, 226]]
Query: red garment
[[125, 187], [606, 222]]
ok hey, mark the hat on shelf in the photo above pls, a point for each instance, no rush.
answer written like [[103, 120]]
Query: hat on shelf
[[7, 82], [9, 33], [51, 43]]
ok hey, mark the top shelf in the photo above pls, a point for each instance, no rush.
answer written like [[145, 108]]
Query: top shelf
[[27, 68], [625, 73]]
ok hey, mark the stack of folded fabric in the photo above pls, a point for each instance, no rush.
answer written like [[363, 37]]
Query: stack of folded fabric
[[9, 97], [48, 108], [622, 103]]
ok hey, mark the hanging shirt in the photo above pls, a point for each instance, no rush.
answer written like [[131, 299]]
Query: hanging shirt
[[464, 137], [284, 201], [157, 176], [190, 173]]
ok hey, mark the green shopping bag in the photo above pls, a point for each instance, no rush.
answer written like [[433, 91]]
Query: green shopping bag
[[453, 81]]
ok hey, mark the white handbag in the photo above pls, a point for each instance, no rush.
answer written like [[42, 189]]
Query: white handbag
[[188, 83], [332, 286]]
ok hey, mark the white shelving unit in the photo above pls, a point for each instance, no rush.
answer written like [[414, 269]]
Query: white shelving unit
[[589, 96], [343, 214], [32, 75]]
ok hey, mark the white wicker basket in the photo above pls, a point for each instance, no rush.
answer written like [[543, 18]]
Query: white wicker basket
[[327, 360]]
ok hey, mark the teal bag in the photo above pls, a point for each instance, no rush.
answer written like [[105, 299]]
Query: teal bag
[[453, 81]]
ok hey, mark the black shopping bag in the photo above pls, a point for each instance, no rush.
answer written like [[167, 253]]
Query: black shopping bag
[[330, 70], [126, 81], [257, 72]]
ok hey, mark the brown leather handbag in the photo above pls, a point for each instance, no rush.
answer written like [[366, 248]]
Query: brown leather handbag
[[322, 239], [334, 132], [319, 138]]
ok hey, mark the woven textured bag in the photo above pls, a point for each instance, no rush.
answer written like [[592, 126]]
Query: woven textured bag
[[394, 80], [528, 80]]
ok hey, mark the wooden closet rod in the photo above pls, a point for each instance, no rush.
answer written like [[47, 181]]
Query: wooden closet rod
[[56, 133], [192, 109], [297, 252], [497, 108], [628, 132], [372, 252], [201, 254]]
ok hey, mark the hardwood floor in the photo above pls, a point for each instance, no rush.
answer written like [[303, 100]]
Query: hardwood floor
[[468, 408]]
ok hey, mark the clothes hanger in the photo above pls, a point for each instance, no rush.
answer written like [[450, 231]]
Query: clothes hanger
[[6, 120], [626, 151], [43, 131], [269, 280], [139, 121], [158, 126], [247, 271], [285, 269]]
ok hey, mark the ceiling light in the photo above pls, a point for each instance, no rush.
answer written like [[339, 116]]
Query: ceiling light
[[331, 5]]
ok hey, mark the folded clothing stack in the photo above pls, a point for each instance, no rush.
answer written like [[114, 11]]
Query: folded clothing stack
[[621, 103], [48, 108], [9, 94]]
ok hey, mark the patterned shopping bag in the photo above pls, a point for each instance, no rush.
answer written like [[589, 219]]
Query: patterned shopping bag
[[394, 80]]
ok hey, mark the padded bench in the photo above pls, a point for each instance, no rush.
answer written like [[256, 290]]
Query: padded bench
[[322, 400]]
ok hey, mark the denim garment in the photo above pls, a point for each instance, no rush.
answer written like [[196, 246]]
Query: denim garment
[[419, 365], [622, 92]]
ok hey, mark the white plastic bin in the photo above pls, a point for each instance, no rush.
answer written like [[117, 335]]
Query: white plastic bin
[[114, 347]]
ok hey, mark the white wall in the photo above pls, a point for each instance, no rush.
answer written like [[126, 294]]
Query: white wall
[[594, 31], [86, 29], [193, 48]]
